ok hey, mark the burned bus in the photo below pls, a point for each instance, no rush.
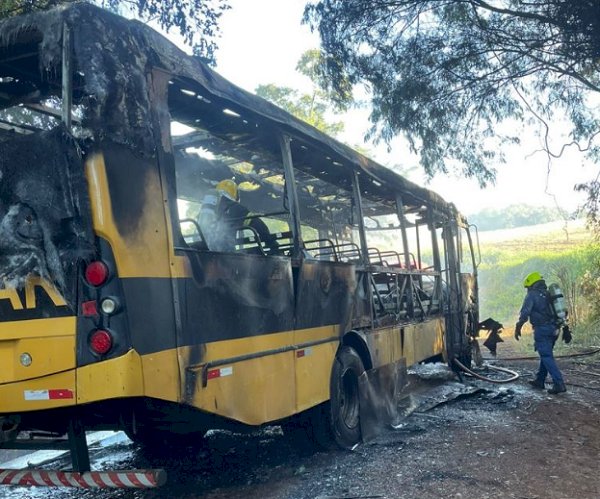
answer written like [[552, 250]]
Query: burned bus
[[177, 254]]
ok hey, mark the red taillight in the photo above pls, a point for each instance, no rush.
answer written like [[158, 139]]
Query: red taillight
[[96, 273], [101, 342]]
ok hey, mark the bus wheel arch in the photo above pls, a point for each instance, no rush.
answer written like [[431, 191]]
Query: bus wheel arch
[[355, 340]]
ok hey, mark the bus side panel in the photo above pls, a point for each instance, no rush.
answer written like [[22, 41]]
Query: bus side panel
[[258, 390], [427, 340], [237, 305], [252, 387], [313, 364], [325, 294], [324, 306], [385, 346], [233, 296], [413, 342]]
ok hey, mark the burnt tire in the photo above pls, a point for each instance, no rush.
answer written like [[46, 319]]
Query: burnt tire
[[344, 405]]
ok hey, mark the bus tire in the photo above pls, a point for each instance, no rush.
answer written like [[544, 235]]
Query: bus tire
[[344, 406]]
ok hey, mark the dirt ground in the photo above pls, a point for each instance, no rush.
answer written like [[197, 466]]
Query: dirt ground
[[507, 441], [460, 440]]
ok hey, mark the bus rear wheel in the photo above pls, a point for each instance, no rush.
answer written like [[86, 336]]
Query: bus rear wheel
[[344, 406]]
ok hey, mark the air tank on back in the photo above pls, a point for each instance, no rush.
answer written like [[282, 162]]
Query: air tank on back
[[558, 303]]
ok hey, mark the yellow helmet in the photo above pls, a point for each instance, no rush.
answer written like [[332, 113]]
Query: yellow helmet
[[228, 188], [532, 278]]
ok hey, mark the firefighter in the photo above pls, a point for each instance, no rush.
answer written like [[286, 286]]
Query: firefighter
[[233, 215], [537, 309]]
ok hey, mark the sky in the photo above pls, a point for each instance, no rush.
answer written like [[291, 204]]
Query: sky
[[261, 42]]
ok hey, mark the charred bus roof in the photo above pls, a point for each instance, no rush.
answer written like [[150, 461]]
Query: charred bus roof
[[112, 57]]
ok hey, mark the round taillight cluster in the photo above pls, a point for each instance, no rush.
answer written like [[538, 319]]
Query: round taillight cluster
[[101, 341], [96, 273]]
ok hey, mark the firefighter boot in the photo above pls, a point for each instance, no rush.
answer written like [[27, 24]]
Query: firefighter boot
[[557, 388], [537, 384]]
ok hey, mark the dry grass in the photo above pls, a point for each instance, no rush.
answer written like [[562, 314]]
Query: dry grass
[[550, 236]]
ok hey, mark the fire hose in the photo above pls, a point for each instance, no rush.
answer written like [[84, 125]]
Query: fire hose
[[514, 375], [566, 356]]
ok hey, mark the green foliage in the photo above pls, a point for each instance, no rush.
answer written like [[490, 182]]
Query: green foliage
[[448, 74], [16, 7], [195, 20], [502, 271], [591, 285], [309, 107], [313, 64], [517, 215], [306, 107], [592, 204]]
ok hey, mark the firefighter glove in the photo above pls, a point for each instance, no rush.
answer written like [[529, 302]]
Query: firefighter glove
[[518, 331], [566, 334]]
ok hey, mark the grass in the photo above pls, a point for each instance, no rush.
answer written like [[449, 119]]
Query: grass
[[584, 339], [508, 256]]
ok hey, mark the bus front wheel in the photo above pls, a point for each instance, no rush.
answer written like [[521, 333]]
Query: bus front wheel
[[344, 406]]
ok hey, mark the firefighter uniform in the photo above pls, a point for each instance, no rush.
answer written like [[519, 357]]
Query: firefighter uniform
[[537, 309]]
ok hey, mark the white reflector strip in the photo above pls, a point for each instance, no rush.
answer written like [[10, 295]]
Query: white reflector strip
[[55, 394], [37, 395], [220, 373], [89, 480], [303, 353]]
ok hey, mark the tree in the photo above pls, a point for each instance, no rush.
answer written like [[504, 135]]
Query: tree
[[452, 76], [303, 106], [310, 107], [516, 215], [195, 20]]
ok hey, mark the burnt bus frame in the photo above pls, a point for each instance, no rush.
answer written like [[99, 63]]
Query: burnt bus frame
[[450, 218], [434, 218]]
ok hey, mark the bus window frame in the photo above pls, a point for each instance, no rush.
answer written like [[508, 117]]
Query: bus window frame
[[168, 144]]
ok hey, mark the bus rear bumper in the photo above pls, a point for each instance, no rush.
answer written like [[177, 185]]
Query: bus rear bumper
[[107, 379]]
